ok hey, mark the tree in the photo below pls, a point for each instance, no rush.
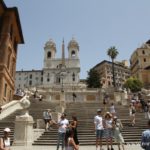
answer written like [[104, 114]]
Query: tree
[[93, 79], [133, 84], [112, 53]]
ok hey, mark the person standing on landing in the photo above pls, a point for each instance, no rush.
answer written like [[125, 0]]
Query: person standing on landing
[[99, 128]]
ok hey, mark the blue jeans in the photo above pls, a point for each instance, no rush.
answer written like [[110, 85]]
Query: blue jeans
[[61, 138]]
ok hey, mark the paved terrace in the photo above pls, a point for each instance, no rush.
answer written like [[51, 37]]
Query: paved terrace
[[127, 147]]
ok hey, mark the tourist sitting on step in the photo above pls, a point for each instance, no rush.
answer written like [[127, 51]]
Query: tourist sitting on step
[[5, 142]]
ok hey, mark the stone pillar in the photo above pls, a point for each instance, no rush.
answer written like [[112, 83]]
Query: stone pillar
[[23, 135], [62, 104]]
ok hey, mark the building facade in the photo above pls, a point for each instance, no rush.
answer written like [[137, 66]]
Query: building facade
[[140, 64], [10, 37], [122, 72], [56, 72]]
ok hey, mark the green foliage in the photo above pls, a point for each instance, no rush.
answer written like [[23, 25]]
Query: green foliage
[[112, 52], [133, 84], [93, 79]]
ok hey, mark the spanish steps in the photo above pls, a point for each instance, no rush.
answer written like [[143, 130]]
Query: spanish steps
[[85, 113]]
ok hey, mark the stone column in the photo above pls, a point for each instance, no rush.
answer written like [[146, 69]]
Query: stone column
[[62, 104], [23, 135]]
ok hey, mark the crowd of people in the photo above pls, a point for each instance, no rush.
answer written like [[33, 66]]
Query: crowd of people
[[108, 126], [67, 130]]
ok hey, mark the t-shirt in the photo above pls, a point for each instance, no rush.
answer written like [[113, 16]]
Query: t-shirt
[[47, 115], [108, 123], [145, 141], [98, 121], [62, 125]]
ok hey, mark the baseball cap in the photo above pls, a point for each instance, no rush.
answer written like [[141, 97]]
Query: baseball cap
[[99, 110], [7, 130], [64, 114], [115, 117]]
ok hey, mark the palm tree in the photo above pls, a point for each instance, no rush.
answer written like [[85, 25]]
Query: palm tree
[[112, 53]]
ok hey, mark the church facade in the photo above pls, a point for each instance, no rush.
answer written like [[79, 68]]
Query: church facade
[[57, 72]]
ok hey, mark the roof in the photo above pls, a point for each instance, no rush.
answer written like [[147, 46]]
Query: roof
[[3, 4], [15, 10], [109, 62], [148, 42], [18, 22]]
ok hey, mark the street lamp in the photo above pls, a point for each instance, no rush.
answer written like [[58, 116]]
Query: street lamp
[[62, 76]]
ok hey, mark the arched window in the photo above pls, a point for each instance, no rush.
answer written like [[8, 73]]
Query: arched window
[[73, 77], [73, 53], [48, 54]]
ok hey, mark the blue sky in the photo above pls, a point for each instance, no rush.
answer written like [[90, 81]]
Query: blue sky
[[96, 25]]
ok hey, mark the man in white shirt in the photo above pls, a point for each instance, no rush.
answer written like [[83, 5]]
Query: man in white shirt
[[62, 125], [99, 128]]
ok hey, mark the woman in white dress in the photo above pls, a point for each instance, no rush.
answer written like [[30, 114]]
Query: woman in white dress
[[117, 127]]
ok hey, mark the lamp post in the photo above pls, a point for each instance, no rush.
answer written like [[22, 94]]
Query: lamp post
[[62, 76]]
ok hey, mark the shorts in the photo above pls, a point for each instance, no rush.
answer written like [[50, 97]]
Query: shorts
[[47, 120], [108, 133], [99, 134]]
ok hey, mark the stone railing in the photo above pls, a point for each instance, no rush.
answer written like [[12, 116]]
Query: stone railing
[[9, 108]]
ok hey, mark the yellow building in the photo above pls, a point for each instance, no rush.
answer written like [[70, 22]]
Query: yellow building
[[140, 63], [10, 37]]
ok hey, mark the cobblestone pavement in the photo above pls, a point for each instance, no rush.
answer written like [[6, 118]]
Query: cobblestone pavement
[[127, 147]]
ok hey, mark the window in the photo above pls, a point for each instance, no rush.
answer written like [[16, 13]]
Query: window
[[48, 79], [73, 77], [143, 52], [11, 32], [15, 45], [10, 95], [30, 76], [8, 59], [5, 90], [144, 59], [73, 53], [30, 82], [41, 79], [48, 54]]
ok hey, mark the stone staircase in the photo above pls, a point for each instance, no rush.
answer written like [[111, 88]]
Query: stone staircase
[[85, 113], [35, 110]]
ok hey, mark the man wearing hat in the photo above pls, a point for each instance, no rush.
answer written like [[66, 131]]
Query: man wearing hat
[[5, 140], [99, 128]]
